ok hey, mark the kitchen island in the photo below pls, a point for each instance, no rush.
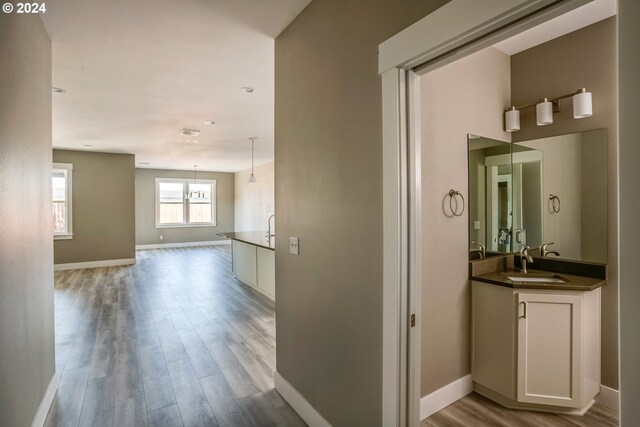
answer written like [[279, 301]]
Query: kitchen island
[[253, 260]]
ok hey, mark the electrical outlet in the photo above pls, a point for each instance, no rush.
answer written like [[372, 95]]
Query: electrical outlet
[[294, 247], [161, 237]]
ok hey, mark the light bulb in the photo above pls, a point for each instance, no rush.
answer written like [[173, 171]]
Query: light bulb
[[252, 178]]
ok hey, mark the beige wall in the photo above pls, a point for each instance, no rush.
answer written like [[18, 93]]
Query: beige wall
[[629, 63], [103, 207], [467, 96], [26, 227], [254, 201], [328, 168], [146, 232], [584, 58]]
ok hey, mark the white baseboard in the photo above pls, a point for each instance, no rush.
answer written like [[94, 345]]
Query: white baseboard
[[608, 397], [445, 396], [94, 264], [182, 244], [299, 403], [45, 403]]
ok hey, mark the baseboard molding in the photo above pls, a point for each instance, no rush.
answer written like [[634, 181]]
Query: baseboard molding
[[298, 402], [94, 264], [182, 244], [45, 403], [445, 396], [608, 397]]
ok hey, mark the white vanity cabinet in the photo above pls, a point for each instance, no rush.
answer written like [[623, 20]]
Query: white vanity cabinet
[[536, 348], [254, 266]]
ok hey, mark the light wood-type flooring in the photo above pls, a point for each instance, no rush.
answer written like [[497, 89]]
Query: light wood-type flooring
[[174, 340], [478, 411]]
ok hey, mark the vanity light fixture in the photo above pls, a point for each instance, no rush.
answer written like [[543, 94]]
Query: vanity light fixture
[[252, 178], [582, 107]]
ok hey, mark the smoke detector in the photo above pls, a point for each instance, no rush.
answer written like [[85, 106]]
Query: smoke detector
[[189, 132]]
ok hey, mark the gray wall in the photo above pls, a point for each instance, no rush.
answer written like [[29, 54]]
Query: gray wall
[[146, 232], [103, 207], [26, 227], [482, 80], [629, 63], [328, 159], [584, 58]]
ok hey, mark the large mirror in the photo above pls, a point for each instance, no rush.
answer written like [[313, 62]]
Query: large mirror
[[551, 190]]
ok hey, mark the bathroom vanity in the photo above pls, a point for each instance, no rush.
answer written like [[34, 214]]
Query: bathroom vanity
[[253, 260], [536, 337]]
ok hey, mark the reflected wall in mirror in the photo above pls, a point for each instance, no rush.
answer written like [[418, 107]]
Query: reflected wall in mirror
[[549, 190], [565, 202], [490, 197]]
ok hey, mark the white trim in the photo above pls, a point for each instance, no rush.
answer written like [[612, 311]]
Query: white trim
[[45, 403], [182, 244], [299, 404], [609, 397], [94, 264], [62, 236], [445, 396]]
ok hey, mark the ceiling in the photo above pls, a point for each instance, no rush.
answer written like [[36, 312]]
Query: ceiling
[[137, 72], [581, 17]]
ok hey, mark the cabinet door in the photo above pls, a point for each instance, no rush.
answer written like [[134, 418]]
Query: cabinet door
[[267, 272], [243, 262], [549, 346]]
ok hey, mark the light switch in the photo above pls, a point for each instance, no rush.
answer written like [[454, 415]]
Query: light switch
[[476, 225], [294, 248]]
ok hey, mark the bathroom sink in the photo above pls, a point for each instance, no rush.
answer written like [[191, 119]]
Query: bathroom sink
[[536, 277]]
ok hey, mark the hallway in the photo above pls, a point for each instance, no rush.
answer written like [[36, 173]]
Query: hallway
[[174, 340]]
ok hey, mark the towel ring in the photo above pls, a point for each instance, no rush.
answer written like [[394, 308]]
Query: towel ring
[[452, 196], [555, 203]]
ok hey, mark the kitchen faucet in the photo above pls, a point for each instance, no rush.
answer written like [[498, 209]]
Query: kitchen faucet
[[524, 259], [269, 235], [544, 251]]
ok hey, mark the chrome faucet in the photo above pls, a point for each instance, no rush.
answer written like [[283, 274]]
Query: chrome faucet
[[269, 235], [544, 251], [482, 251], [524, 259]]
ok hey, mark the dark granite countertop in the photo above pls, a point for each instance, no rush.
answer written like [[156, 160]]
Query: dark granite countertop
[[572, 283], [585, 277], [257, 238]]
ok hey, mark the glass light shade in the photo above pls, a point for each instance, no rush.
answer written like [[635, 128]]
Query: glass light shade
[[252, 178], [544, 112], [582, 106], [512, 120]]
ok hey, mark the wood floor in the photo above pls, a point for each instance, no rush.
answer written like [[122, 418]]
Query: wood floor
[[174, 340], [475, 410]]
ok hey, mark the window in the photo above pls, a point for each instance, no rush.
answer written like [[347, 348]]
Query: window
[[175, 209], [61, 182]]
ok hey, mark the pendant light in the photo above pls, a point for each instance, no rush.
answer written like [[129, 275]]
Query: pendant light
[[252, 178], [192, 195]]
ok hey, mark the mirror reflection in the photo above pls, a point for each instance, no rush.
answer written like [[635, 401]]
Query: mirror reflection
[[549, 194]]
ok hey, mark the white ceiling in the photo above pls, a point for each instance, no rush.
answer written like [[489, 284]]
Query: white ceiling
[[137, 72], [578, 18]]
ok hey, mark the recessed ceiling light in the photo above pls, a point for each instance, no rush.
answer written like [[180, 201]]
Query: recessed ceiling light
[[88, 145], [57, 89], [209, 122], [143, 163], [192, 141], [246, 89]]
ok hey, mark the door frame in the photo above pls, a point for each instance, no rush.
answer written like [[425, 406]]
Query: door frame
[[456, 30]]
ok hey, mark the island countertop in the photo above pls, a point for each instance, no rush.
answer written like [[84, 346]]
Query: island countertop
[[256, 238]]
